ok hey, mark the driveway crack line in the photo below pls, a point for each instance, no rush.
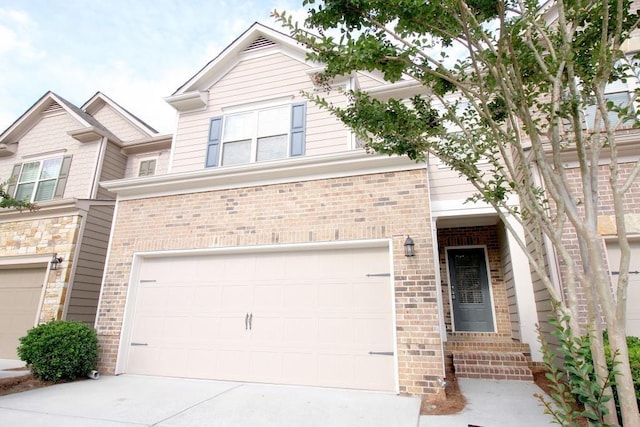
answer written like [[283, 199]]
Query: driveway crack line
[[197, 404], [57, 414]]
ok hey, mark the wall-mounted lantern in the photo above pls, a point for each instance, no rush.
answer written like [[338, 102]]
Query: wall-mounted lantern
[[55, 261], [409, 247]]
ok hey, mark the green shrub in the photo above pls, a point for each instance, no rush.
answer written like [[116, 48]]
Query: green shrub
[[59, 350]]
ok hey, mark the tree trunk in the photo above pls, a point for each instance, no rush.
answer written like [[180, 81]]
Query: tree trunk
[[624, 380]]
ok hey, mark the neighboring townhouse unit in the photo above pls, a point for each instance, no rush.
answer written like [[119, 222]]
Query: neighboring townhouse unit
[[55, 155], [275, 248]]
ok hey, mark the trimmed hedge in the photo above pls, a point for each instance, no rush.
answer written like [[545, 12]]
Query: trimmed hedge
[[60, 350]]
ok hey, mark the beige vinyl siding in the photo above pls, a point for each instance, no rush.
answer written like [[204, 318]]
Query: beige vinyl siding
[[49, 135], [268, 77], [133, 163], [113, 167], [117, 124], [83, 300], [507, 270], [445, 184]]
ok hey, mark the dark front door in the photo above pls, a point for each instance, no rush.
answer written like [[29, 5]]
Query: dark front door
[[470, 290]]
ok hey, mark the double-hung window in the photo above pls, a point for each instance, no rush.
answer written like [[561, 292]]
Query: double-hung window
[[269, 133], [40, 180]]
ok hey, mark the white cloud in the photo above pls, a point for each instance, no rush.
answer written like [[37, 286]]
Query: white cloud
[[16, 30]]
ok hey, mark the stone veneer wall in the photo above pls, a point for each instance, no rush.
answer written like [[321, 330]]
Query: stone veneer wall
[[378, 206], [45, 236]]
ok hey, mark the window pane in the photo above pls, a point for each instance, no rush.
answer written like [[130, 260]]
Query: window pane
[[274, 121], [238, 127], [45, 190], [272, 147], [235, 153], [24, 191], [51, 168], [147, 168], [29, 172]]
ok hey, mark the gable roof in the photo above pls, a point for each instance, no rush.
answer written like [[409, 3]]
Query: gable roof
[[50, 101], [256, 37], [99, 99]]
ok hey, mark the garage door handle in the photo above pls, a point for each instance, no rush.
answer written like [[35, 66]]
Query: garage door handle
[[250, 320], [139, 343], [381, 353]]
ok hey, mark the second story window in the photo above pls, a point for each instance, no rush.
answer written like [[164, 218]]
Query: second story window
[[262, 134], [40, 180], [147, 167]]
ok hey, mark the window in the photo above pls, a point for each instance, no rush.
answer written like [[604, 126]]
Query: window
[[269, 133], [40, 180], [147, 167]]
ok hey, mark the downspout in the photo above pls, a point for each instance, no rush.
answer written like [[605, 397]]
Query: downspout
[[173, 143], [96, 176]]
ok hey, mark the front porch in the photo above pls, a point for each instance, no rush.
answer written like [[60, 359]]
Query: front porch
[[482, 299]]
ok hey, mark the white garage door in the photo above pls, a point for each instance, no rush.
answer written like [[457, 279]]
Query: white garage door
[[20, 291], [319, 318], [633, 291]]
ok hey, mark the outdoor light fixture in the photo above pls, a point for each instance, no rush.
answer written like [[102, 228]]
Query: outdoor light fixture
[[408, 247], [55, 261]]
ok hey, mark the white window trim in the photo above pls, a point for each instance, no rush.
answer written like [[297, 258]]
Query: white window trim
[[38, 180], [258, 104], [145, 159], [254, 108]]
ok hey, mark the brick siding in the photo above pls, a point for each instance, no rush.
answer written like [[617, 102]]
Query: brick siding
[[377, 206]]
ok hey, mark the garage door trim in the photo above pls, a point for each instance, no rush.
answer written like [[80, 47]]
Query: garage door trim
[[139, 257]]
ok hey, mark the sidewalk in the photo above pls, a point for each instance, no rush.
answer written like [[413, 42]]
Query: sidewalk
[[492, 403], [7, 367]]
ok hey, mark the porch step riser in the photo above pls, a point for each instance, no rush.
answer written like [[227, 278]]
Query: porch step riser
[[488, 365]]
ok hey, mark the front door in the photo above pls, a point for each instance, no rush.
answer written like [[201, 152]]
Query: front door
[[470, 294]]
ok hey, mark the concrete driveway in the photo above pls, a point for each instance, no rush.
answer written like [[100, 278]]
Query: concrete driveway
[[132, 400]]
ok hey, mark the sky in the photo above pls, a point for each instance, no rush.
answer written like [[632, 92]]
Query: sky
[[136, 52]]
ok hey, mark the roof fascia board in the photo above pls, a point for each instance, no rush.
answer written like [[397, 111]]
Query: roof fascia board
[[32, 115], [99, 96], [232, 51], [311, 168]]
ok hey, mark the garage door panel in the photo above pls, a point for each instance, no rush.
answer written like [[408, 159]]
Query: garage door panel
[[300, 331], [233, 364], [20, 291], [301, 297], [373, 332], [268, 297], [236, 296], [335, 331], [336, 297], [366, 368], [310, 318], [337, 369], [266, 366]]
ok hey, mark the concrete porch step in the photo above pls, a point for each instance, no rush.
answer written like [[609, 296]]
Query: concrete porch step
[[492, 365]]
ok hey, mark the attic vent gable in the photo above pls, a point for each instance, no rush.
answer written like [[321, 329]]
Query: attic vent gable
[[259, 43], [52, 108]]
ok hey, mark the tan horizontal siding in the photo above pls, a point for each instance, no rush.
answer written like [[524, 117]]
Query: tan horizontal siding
[[83, 301], [113, 167], [268, 77]]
